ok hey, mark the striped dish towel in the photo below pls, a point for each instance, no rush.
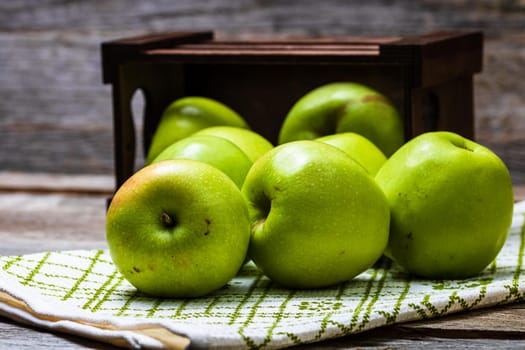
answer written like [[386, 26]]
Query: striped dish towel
[[80, 292]]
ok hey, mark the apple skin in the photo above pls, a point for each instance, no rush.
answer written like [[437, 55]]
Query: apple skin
[[345, 107], [317, 217], [204, 246], [359, 148], [253, 144], [451, 204], [187, 115], [216, 151]]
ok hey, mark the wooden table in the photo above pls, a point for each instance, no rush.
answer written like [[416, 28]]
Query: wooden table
[[60, 212]]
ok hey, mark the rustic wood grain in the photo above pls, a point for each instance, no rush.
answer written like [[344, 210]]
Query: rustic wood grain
[[512, 153], [47, 222], [399, 337], [62, 183], [500, 322], [55, 113], [16, 336]]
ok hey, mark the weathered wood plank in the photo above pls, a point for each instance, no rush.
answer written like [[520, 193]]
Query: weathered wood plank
[[57, 183], [375, 16], [508, 322], [16, 336], [55, 114], [513, 154], [45, 222]]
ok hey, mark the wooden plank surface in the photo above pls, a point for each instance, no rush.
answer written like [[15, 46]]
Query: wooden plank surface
[[55, 113], [73, 218]]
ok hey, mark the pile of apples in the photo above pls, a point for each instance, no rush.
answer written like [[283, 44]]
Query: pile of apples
[[340, 190]]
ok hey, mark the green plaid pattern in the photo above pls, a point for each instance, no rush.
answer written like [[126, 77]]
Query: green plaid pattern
[[253, 312]]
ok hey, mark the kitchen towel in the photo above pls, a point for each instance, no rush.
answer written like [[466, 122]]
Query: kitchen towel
[[82, 293]]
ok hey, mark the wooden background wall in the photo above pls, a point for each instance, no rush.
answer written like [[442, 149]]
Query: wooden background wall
[[55, 114]]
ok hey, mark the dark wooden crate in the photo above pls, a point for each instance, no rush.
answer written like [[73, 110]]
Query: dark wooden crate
[[428, 77]]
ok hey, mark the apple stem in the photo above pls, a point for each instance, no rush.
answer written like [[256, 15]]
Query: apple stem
[[167, 220]]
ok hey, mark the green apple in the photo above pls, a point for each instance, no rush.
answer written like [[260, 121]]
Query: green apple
[[187, 115], [317, 217], [451, 204], [359, 148], [216, 151], [253, 144], [178, 228], [341, 107]]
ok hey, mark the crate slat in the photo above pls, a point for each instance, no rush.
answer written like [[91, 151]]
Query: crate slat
[[428, 78]]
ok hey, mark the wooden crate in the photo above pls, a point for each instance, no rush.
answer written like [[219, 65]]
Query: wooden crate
[[428, 77]]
